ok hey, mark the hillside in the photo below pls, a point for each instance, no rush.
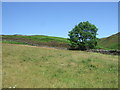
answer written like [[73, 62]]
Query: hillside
[[26, 66], [36, 40], [110, 42], [45, 67]]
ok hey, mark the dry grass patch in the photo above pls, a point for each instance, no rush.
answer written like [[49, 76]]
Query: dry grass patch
[[36, 67]]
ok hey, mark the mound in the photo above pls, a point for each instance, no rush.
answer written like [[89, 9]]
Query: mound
[[110, 42]]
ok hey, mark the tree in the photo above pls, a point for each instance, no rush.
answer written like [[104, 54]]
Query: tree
[[83, 36]]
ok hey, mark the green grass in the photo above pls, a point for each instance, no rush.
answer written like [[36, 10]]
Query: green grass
[[14, 42], [39, 38], [36, 67], [110, 42], [36, 40]]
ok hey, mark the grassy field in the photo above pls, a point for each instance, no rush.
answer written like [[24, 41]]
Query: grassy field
[[38, 67], [107, 43]]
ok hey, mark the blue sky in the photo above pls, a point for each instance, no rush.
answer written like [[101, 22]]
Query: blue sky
[[57, 18]]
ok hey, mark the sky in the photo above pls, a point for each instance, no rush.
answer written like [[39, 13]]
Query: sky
[[57, 18]]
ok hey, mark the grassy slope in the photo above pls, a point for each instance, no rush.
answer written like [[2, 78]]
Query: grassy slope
[[35, 67], [110, 42], [39, 38], [105, 43], [36, 40]]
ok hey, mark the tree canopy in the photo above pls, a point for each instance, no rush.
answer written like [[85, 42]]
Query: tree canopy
[[83, 36]]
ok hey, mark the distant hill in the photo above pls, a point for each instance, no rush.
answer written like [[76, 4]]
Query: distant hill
[[110, 42], [36, 40]]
